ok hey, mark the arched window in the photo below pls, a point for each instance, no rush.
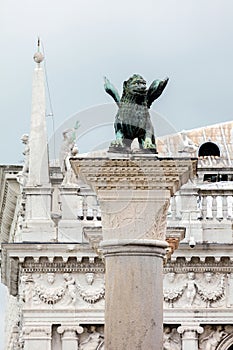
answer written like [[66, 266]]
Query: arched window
[[209, 149], [226, 343]]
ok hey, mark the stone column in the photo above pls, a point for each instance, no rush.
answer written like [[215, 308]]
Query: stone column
[[134, 195], [133, 246], [69, 336], [190, 336], [37, 338]]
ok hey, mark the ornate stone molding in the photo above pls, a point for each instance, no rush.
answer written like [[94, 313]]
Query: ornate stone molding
[[44, 258], [61, 291], [173, 237], [37, 332], [138, 172]]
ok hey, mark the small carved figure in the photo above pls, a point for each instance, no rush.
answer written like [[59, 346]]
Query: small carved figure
[[68, 149], [50, 277], [70, 284], [211, 338], [191, 288], [22, 176], [171, 339], [133, 118], [25, 290], [93, 342], [25, 141], [187, 145]]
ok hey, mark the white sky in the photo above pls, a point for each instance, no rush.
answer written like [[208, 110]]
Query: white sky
[[188, 40]]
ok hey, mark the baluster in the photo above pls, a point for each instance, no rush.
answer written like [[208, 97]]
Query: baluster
[[80, 209], [229, 207], [85, 207], [219, 205], [209, 207]]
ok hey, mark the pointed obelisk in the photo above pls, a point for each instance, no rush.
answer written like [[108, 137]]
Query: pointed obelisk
[[38, 223], [38, 161]]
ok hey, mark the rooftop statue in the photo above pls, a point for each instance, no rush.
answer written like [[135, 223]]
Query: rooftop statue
[[133, 118], [68, 149]]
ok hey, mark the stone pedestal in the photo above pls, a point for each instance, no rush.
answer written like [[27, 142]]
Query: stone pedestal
[[134, 195], [69, 228], [190, 336], [37, 338], [38, 225]]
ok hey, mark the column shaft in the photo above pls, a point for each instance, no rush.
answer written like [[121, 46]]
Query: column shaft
[[134, 297]]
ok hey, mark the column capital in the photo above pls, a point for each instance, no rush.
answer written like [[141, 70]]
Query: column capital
[[69, 329], [190, 328]]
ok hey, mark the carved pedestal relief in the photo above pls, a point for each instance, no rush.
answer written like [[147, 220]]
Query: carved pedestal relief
[[92, 338], [171, 339], [213, 336]]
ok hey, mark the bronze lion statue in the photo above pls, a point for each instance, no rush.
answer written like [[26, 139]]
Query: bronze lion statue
[[133, 118]]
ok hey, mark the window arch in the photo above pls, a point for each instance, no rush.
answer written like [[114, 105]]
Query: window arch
[[209, 149], [226, 343]]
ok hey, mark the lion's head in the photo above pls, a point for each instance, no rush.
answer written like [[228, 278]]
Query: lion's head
[[134, 90]]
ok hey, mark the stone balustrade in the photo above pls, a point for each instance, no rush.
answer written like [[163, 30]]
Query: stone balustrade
[[215, 205]]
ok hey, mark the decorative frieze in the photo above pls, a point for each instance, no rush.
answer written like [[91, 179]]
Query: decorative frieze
[[57, 290], [92, 289], [194, 290]]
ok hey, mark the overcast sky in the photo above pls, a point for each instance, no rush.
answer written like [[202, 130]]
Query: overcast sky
[[188, 40]]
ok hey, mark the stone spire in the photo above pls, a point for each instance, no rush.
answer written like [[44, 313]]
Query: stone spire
[[38, 225], [38, 157]]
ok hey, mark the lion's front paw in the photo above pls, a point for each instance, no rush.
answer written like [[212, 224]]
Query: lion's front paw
[[148, 143], [117, 143]]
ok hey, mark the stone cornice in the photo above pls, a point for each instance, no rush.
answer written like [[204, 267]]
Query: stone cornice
[[201, 316], [37, 257], [204, 250], [9, 193], [144, 172]]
